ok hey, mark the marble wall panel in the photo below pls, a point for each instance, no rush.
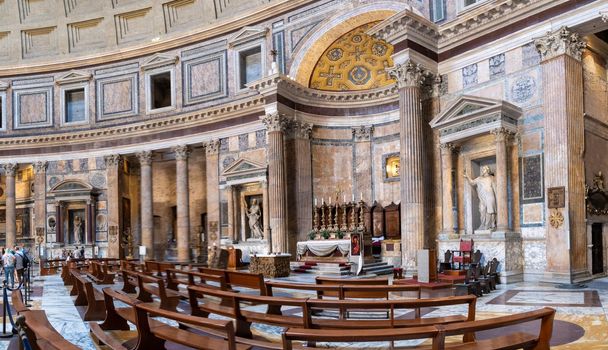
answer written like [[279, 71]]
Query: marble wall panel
[[530, 56], [483, 71], [470, 75], [532, 177], [513, 60], [532, 213], [455, 81], [297, 34], [332, 168], [387, 129], [595, 86], [531, 142], [117, 96], [332, 133], [205, 78], [535, 259], [596, 160], [496, 66], [33, 107], [385, 192]]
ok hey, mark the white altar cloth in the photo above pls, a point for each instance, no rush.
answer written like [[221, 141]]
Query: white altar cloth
[[324, 247]]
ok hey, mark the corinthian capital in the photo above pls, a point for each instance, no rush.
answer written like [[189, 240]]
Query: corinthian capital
[[145, 157], [181, 152], [502, 134], [275, 122], [363, 133], [40, 166], [409, 74], [302, 130], [212, 147], [10, 169], [112, 160], [560, 42]]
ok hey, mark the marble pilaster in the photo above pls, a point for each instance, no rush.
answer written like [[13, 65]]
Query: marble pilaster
[[265, 210], [183, 202], [10, 169], [447, 185], [231, 216], [303, 154], [276, 124], [501, 176], [212, 149], [562, 79], [363, 158], [40, 196], [147, 210], [113, 163], [410, 77]]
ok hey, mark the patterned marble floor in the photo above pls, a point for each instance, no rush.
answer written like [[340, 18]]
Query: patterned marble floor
[[581, 321]]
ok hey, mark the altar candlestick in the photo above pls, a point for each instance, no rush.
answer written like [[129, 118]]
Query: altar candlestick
[[344, 199], [329, 200], [361, 193], [315, 202], [353, 197]]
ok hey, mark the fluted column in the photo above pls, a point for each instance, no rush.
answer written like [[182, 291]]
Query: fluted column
[[562, 80], [213, 200], [303, 183], [501, 176], [447, 183], [363, 158], [183, 205], [113, 163], [40, 197], [10, 170], [231, 218], [410, 77], [275, 124], [147, 210], [265, 210]]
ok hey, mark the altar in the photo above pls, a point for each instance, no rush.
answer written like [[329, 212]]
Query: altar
[[335, 250]]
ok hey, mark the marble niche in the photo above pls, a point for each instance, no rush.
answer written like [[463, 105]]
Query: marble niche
[[476, 136]]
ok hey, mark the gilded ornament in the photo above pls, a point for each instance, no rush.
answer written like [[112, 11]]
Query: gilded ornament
[[556, 219]]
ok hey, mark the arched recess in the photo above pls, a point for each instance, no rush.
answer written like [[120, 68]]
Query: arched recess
[[311, 48]]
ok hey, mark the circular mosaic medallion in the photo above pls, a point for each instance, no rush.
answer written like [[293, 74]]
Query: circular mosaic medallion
[[357, 38], [335, 54], [359, 75], [379, 49], [523, 89], [98, 180]]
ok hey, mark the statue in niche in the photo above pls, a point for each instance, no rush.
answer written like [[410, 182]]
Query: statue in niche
[[254, 213], [77, 230], [486, 191]]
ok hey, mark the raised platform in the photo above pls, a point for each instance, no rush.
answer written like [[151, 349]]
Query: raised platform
[[321, 268]]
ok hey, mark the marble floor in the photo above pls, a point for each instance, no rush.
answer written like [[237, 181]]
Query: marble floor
[[581, 321]]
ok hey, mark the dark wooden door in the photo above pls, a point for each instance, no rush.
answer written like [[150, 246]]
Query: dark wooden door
[[597, 252]]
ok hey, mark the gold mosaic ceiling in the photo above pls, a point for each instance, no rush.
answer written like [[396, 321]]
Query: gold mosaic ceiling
[[356, 61]]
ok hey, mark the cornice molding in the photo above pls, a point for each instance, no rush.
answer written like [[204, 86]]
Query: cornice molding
[[404, 24]]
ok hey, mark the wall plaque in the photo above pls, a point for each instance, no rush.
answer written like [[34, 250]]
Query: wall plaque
[[556, 197]]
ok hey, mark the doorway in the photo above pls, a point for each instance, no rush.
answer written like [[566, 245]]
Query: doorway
[[597, 250]]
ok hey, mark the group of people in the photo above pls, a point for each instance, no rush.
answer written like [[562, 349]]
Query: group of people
[[14, 261]]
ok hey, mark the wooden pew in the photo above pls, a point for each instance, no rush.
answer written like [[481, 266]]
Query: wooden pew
[[100, 273], [116, 319], [150, 285], [239, 279], [176, 277], [41, 334], [129, 279], [90, 297]]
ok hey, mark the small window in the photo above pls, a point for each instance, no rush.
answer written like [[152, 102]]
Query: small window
[[437, 10], [250, 66], [160, 90], [74, 106], [2, 108], [466, 4]]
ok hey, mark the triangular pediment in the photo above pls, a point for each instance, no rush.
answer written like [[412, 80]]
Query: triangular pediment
[[242, 167], [247, 34], [73, 76], [471, 115], [158, 60]]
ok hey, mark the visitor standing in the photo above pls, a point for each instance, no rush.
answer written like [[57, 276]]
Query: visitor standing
[[82, 252], [19, 265], [8, 263]]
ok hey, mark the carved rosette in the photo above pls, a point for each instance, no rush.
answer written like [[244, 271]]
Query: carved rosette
[[502, 134], [363, 133], [560, 42], [145, 157], [10, 169], [275, 122], [212, 147], [410, 74], [181, 152], [302, 130], [40, 166], [113, 160]]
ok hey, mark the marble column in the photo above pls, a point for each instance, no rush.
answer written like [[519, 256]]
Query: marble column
[[501, 176], [113, 163], [147, 206], [213, 198], [562, 88], [303, 183], [447, 185], [231, 216], [40, 196], [276, 124], [410, 77], [183, 206], [10, 169], [265, 210], [363, 158]]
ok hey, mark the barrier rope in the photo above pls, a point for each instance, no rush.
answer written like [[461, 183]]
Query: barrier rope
[[24, 284]]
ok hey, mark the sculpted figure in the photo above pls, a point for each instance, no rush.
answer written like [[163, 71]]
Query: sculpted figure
[[254, 214], [486, 191], [77, 230]]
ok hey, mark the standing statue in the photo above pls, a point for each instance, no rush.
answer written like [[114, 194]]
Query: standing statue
[[254, 214], [486, 191], [77, 230]]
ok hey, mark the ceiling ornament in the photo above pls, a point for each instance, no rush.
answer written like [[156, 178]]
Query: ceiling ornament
[[356, 61]]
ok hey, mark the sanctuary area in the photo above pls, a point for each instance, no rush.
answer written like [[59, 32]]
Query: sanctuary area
[[289, 174]]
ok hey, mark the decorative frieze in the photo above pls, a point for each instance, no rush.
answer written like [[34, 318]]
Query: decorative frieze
[[275, 122], [10, 169], [410, 74], [363, 133], [145, 157], [212, 147], [560, 42]]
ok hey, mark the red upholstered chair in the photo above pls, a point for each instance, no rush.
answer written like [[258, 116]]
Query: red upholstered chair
[[464, 253]]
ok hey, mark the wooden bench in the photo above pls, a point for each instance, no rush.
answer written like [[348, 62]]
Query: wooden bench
[[130, 282], [41, 334], [239, 279], [150, 285], [90, 297], [100, 274], [176, 277], [157, 267]]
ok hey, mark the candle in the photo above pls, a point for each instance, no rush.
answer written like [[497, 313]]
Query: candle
[[315, 202], [353, 197], [344, 199], [329, 200], [361, 193], [322, 201]]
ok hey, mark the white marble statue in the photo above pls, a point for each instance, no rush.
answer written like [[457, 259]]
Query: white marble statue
[[486, 191], [77, 230], [254, 214]]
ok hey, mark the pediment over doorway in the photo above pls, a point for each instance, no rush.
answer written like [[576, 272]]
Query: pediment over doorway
[[244, 169], [72, 186], [470, 116]]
